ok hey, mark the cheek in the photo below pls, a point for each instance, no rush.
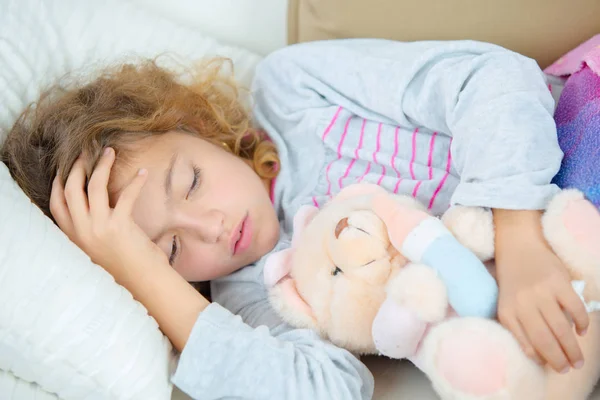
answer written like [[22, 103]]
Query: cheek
[[353, 309], [243, 178], [198, 263], [376, 273], [232, 184]]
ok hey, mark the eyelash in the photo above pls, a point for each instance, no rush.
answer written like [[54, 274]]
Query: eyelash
[[195, 181], [338, 270], [174, 248], [194, 186]]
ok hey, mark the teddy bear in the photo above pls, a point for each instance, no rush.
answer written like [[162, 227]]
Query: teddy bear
[[369, 272]]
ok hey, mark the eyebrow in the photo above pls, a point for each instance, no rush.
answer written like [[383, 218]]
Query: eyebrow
[[169, 176]]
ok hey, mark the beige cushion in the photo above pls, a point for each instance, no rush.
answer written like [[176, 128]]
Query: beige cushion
[[541, 29]]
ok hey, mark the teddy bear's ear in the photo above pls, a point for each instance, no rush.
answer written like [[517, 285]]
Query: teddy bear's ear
[[283, 295], [302, 218], [277, 266]]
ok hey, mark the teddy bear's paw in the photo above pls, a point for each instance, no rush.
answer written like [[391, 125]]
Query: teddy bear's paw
[[417, 287], [397, 331], [474, 358], [572, 227], [473, 227]]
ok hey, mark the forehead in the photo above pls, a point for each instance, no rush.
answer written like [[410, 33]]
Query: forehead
[[154, 154], [149, 153]]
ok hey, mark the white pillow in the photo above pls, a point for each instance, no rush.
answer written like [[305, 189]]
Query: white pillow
[[41, 40], [65, 325], [12, 387], [257, 25]]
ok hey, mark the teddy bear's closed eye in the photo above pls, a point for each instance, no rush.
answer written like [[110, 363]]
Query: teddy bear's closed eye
[[338, 270]]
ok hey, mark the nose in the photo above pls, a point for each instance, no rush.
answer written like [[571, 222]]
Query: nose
[[208, 225]]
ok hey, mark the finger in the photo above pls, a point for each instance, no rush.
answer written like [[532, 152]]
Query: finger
[[59, 208], [514, 326], [75, 195], [130, 193], [563, 332], [543, 340], [573, 305], [98, 186]]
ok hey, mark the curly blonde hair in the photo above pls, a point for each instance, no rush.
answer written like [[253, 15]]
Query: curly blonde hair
[[123, 105]]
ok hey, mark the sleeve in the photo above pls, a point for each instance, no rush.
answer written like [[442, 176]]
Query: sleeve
[[228, 358], [494, 103]]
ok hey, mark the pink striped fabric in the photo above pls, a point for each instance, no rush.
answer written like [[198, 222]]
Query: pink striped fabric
[[416, 189], [443, 181], [430, 157], [413, 154], [328, 129], [339, 154], [393, 162], [377, 149], [346, 173], [412, 162], [325, 133], [367, 170], [360, 144], [346, 157]]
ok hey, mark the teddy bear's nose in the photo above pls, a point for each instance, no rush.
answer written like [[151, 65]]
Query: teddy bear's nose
[[343, 224]]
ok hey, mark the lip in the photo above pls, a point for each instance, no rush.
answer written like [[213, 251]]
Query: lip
[[241, 237]]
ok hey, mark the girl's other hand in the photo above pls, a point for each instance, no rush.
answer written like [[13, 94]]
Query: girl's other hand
[[536, 301]]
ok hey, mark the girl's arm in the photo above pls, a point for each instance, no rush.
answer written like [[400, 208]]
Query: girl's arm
[[494, 103], [222, 357]]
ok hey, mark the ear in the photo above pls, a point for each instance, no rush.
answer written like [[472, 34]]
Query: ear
[[290, 305], [283, 293], [277, 266], [302, 218]]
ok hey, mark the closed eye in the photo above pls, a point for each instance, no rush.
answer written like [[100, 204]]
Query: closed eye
[[369, 263], [174, 251], [195, 181], [362, 230]]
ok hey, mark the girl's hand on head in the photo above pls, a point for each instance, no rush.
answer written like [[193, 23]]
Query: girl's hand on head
[[536, 301], [108, 235]]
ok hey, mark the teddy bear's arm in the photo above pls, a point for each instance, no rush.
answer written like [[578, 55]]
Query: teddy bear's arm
[[416, 297], [419, 288], [422, 238]]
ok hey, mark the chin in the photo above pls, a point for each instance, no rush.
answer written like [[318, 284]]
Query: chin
[[262, 247], [272, 241]]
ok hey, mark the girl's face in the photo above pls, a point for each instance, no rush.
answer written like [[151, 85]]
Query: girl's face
[[204, 207]]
